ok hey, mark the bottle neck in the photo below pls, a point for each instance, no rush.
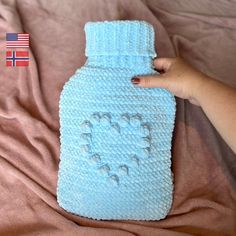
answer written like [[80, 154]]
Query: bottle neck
[[122, 61], [122, 44]]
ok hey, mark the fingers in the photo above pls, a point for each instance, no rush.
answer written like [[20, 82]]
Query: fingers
[[163, 63], [155, 81], [150, 81]]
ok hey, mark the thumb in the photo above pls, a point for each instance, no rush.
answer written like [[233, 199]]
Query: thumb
[[150, 81]]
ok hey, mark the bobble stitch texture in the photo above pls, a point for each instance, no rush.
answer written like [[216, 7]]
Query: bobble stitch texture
[[115, 138]]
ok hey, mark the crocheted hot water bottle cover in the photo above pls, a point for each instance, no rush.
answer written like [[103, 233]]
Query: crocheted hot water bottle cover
[[115, 159]]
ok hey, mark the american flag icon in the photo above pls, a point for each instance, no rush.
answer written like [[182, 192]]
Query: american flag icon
[[17, 40], [17, 58]]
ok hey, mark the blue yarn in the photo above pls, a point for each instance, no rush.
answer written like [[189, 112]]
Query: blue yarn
[[115, 159]]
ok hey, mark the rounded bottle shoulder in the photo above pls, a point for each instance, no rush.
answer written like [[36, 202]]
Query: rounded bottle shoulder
[[98, 76], [116, 81], [118, 71]]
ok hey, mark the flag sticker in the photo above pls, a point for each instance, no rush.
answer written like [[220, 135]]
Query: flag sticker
[[17, 58], [17, 40]]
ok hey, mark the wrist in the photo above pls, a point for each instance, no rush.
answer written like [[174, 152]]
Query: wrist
[[199, 89]]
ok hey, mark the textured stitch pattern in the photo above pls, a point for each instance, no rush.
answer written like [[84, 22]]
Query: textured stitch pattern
[[115, 159]]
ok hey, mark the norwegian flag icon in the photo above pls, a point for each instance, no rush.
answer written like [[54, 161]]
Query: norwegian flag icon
[[17, 58]]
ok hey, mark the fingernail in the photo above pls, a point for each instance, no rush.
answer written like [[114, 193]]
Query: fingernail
[[135, 80], [160, 71]]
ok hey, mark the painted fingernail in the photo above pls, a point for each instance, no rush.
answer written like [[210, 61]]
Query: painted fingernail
[[135, 80], [160, 71]]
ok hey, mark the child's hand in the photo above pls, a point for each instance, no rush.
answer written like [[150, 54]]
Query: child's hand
[[176, 76]]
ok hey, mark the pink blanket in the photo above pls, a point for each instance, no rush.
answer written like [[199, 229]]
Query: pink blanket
[[203, 32]]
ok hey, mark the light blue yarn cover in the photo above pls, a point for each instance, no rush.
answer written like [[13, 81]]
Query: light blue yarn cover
[[115, 159]]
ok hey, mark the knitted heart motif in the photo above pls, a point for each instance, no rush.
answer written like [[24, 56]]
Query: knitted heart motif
[[101, 137]]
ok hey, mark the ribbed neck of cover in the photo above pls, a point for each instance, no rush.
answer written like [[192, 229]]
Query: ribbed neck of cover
[[121, 37]]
